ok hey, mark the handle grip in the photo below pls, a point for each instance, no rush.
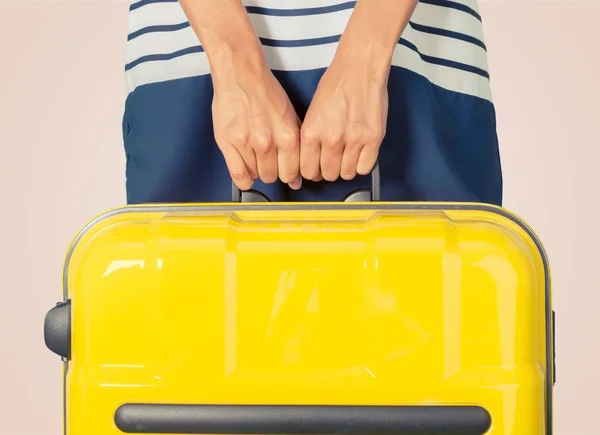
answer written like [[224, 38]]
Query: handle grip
[[301, 420], [361, 195]]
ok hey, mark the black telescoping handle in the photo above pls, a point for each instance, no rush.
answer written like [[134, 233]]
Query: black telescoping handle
[[362, 195]]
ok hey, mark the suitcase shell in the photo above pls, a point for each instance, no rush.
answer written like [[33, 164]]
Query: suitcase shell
[[306, 319]]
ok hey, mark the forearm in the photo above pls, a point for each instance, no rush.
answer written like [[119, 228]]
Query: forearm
[[227, 36], [374, 30]]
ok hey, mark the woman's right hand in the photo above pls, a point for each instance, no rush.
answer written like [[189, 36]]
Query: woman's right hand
[[256, 127]]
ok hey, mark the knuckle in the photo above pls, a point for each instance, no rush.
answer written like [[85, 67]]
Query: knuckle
[[354, 134], [375, 135], [335, 140], [262, 142], [238, 137], [288, 139], [237, 174], [309, 134]]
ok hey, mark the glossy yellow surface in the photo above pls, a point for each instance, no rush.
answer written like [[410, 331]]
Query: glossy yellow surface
[[343, 306]]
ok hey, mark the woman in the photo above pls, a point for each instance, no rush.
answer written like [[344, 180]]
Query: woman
[[299, 98]]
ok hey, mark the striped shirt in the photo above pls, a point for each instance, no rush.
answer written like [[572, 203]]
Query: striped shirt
[[443, 41]]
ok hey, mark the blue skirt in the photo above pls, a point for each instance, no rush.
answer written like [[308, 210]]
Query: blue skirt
[[441, 142]]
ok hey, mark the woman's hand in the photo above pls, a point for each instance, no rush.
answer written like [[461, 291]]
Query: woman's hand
[[346, 122], [256, 128], [255, 125]]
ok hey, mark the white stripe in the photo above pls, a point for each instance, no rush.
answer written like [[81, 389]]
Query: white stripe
[[304, 27], [314, 57], [300, 58], [473, 4], [161, 43], [309, 26], [431, 45], [156, 14], [448, 48], [293, 4], [445, 77], [191, 65], [448, 19], [267, 26]]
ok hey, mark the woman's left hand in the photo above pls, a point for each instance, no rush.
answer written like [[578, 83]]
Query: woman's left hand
[[346, 121]]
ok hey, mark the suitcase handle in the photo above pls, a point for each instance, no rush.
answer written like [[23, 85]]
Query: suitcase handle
[[361, 195], [301, 419]]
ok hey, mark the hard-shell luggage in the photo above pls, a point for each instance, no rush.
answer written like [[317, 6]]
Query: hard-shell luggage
[[355, 318]]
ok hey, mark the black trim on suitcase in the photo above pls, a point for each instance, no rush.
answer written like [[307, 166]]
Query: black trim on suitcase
[[380, 207], [302, 420]]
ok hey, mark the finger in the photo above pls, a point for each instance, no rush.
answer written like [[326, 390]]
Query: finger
[[296, 184], [288, 157], [249, 158], [310, 156], [237, 168], [266, 158], [331, 159], [367, 159], [350, 161], [238, 139]]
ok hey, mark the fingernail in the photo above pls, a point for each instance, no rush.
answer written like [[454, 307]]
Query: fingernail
[[296, 184]]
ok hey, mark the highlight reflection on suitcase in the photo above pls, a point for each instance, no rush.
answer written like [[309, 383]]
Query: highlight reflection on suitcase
[[264, 318]]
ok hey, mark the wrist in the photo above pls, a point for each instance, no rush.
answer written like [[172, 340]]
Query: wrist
[[366, 59], [373, 32], [235, 60]]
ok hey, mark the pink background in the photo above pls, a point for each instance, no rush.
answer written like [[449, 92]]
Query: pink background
[[61, 162]]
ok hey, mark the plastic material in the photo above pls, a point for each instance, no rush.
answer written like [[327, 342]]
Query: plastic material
[[57, 329], [248, 196], [302, 420], [317, 304], [359, 196]]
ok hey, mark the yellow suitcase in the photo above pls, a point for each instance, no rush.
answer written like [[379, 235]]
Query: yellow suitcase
[[353, 318]]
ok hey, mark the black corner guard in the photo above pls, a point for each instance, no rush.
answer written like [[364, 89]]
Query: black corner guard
[[302, 420], [57, 329]]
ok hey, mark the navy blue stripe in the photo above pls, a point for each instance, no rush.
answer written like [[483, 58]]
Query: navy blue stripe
[[153, 29], [452, 5], [302, 11], [167, 56], [447, 33], [142, 3], [445, 62], [270, 11], [314, 41], [265, 41], [300, 42]]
